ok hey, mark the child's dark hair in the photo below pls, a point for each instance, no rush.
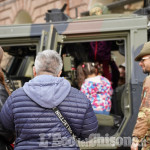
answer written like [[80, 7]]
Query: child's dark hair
[[85, 69]]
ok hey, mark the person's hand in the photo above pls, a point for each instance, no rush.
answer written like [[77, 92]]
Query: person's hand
[[134, 146]]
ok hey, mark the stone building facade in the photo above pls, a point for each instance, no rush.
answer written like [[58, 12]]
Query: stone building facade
[[33, 11]]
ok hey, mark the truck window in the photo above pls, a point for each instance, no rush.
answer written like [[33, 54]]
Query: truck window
[[17, 65]]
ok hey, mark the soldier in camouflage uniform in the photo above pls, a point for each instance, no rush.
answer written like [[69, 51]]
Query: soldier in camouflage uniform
[[141, 132]]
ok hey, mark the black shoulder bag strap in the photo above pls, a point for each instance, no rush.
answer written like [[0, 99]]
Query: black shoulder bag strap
[[65, 123]]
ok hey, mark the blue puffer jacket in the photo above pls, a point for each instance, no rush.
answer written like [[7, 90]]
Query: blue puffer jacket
[[28, 112]]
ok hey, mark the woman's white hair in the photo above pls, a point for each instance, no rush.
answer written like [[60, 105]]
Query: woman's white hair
[[48, 61]]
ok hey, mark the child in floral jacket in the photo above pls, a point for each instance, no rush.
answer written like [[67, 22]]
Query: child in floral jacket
[[97, 88]]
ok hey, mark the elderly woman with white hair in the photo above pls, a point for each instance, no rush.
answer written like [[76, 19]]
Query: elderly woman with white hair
[[30, 111]]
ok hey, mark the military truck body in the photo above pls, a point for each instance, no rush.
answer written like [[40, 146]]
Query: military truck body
[[71, 39]]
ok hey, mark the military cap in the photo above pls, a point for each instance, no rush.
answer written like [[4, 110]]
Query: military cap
[[145, 51]]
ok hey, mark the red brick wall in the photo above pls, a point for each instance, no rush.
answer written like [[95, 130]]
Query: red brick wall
[[36, 9]]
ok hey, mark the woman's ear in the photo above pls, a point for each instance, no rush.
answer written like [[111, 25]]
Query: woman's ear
[[59, 73], [34, 71]]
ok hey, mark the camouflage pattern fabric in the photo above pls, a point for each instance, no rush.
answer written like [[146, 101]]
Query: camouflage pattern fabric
[[142, 127]]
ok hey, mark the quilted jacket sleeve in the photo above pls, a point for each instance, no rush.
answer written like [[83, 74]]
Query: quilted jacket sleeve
[[90, 124], [7, 115]]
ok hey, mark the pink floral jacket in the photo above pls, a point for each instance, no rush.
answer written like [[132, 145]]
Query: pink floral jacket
[[98, 90]]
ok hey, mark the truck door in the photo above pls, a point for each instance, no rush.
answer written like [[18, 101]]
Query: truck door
[[81, 36]]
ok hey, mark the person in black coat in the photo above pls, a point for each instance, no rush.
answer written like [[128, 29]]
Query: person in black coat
[[6, 137]]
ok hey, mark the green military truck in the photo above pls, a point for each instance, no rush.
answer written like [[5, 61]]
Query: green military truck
[[72, 40]]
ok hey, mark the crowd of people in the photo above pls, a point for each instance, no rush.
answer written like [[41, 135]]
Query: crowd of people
[[47, 113], [47, 107], [30, 109], [39, 111]]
